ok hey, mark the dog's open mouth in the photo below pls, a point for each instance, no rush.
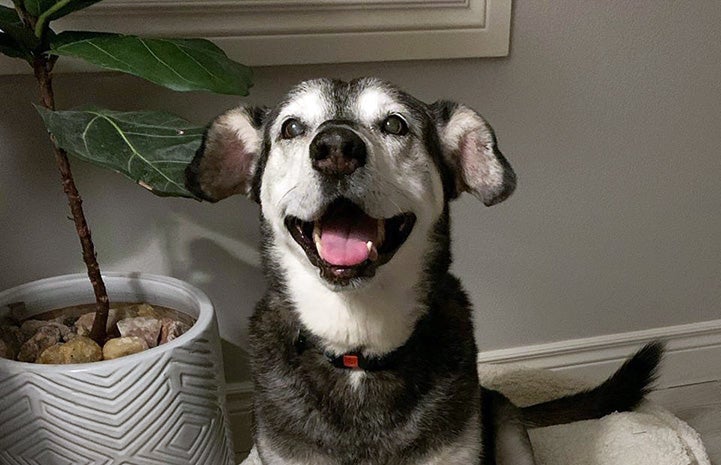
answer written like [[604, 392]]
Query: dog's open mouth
[[346, 243]]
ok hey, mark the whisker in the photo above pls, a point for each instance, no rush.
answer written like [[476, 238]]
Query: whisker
[[287, 193], [398, 208]]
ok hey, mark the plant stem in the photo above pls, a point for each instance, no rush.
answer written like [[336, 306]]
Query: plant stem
[[43, 67], [27, 19], [43, 18]]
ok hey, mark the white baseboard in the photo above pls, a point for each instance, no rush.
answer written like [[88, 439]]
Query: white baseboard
[[693, 355]]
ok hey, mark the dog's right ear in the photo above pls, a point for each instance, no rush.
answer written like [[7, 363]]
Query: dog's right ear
[[225, 163]]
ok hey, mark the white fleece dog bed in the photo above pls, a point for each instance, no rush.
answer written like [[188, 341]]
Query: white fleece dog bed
[[650, 435]]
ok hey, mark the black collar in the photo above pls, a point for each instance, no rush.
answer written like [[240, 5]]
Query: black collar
[[354, 360]]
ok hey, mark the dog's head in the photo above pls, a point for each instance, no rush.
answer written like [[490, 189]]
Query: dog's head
[[351, 177]]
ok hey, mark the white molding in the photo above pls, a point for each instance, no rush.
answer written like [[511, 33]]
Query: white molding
[[693, 356], [239, 18], [281, 32]]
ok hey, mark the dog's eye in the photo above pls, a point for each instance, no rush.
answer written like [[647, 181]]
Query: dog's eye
[[292, 128], [395, 124]]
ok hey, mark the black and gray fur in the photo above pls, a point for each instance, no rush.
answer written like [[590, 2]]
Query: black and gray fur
[[425, 400]]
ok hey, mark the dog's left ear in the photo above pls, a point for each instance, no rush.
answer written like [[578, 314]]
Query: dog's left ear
[[226, 161], [470, 150]]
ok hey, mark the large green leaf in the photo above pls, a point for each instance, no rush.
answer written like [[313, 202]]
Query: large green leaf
[[59, 8], [9, 19], [151, 148], [10, 47], [179, 64], [16, 36]]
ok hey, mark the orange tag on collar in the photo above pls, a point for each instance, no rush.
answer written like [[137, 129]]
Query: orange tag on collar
[[350, 361]]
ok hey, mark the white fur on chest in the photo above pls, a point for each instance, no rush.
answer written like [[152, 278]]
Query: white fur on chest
[[379, 317]]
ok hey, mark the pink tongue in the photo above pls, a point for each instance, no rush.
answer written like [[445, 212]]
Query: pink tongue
[[343, 240]]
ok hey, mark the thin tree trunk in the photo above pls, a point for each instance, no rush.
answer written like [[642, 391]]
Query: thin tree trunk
[[43, 67]]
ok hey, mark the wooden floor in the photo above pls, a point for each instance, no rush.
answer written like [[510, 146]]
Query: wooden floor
[[699, 405]]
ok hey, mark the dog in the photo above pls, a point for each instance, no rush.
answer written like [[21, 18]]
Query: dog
[[362, 348]]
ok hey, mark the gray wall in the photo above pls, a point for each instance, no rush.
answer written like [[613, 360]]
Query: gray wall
[[609, 111]]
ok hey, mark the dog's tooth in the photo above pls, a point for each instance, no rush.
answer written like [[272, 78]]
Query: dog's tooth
[[316, 230], [381, 231], [316, 236], [372, 251]]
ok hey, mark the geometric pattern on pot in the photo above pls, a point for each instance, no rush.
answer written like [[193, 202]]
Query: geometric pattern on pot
[[162, 410]]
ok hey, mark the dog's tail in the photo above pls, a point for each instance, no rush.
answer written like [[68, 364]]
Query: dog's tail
[[623, 391]]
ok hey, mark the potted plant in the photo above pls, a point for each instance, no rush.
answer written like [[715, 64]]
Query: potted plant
[[162, 405]]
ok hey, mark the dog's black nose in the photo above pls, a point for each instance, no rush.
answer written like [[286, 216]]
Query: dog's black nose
[[337, 151]]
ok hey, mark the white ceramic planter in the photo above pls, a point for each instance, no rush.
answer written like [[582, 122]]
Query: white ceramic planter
[[162, 406]]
